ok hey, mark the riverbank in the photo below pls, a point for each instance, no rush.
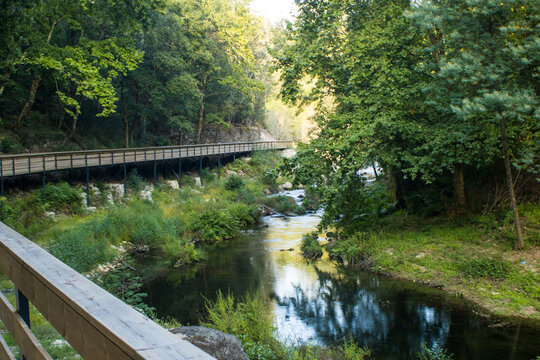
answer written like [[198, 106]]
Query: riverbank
[[470, 257]]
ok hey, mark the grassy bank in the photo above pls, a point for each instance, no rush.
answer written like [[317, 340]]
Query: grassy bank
[[473, 257], [176, 224]]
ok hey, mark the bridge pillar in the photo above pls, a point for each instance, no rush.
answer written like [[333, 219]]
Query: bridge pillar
[[200, 170], [1, 180], [155, 172], [179, 172], [219, 167], [23, 309]]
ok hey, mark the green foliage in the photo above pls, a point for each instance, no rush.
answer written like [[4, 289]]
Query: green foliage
[[310, 246], [182, 253], [123, 282], [80, 248], [356, 249], [284, 204], [135, 181], [243, 214], [214, 225], [436, 352], [62, 198], [248, 320], [487, 267], [234, 182]]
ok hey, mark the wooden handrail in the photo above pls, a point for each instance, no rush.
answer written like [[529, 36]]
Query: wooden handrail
[[32, 163], [121, 150], [94, 322]]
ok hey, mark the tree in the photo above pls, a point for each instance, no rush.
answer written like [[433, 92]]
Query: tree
[[488, 55]]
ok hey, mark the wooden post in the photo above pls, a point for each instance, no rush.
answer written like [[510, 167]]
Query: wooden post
[[23, 309]]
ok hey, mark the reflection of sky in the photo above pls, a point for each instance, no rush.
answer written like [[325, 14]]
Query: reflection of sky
[[318, 306]]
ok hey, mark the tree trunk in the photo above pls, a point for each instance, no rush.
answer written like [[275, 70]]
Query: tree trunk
[[126, 122], [508, 169], [375, 171], [460, 200], [31, 98], [6, 79], [34, 87], [201, 118]]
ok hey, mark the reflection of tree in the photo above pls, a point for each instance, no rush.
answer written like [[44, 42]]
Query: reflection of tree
[[377, 313], [242, 267]]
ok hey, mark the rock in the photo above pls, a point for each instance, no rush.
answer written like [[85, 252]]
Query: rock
[[289, 153], [173, 184], [198, 181], [216, 343], [265, 210], [146, 193], [267, 192], [263, 225], [290, 213], [330, 234], [247, 159], [91, 209], [117, 190], [59, 343], [300, 196], [287, 186], [290, 249], [50, 214], [230, 173]]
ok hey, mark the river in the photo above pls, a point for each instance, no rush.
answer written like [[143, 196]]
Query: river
[[321, 303]]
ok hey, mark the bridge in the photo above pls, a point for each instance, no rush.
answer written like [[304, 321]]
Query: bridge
[[19, 165], [94, 322]]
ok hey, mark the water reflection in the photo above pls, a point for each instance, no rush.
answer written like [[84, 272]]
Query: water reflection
[[323, 304]]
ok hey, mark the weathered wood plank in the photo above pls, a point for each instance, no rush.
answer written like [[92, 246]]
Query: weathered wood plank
[[29, 345], [5, 351], [95, 323]]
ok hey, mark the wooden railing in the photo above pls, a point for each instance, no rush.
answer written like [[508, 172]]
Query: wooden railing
[[95, 323], [25, 164]]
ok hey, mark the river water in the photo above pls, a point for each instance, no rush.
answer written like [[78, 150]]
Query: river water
[[320, 303]]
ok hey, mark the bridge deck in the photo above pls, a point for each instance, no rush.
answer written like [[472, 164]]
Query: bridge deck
[[26, 164]]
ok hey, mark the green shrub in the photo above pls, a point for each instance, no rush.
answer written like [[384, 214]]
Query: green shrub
[[234, 182], [284, 204], [135, 181], [311, 248], [214, 225], [312, 199], [62, 197], [124, 283], [485, 267], [182, 253], [243, 214], [249, 321], [80, 249], [357, 249], [436, 352]]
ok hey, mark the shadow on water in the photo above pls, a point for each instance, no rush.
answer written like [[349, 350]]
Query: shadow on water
[[323, 304]]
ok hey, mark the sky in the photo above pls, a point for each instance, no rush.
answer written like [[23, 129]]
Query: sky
[[274, 10]]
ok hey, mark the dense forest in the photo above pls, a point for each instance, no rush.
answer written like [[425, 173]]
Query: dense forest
[[128, 72], [443, 96]]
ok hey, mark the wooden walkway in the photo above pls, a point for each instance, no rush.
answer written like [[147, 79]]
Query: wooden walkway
[[27, 164], [95, 323]]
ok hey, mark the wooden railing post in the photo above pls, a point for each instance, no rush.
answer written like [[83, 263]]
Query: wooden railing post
[[23, 309]]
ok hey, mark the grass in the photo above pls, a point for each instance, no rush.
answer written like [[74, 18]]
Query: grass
[[472, 257], [250, 321]]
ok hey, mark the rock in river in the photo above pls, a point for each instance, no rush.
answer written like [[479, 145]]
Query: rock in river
[[216, 343]]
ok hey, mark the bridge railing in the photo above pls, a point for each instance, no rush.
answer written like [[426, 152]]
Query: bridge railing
[[25, 164], [94, 322]]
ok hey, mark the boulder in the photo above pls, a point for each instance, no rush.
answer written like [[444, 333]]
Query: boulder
[[265, 210], [216, 343], [173, 184], [198, 181], [288, 153], [287, 186]]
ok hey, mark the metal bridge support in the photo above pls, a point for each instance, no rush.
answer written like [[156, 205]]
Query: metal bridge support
[[125, 179], [23, 309], [179, 172], [234, 159], [200, 170], [219, 167], [155, 173]]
